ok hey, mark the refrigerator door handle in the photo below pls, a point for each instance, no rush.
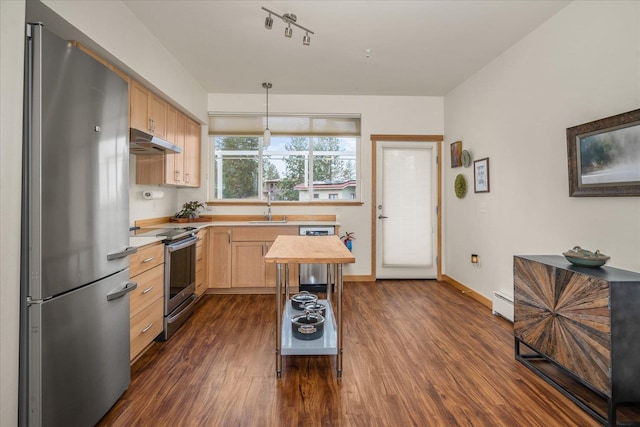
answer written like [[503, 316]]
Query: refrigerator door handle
[[128, 287], [129, 250]]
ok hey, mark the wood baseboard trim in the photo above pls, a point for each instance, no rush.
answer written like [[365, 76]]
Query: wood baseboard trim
[[239, 291], [355, 278], [467, 291]]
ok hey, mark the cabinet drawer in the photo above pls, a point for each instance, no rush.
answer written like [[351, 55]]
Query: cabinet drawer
[[146, 258], [145, 326], [150, 288], [266, 233]]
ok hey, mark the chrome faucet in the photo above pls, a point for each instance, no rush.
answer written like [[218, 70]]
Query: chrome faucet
[[268, 214]]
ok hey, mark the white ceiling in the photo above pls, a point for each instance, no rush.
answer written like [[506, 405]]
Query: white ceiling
[[417, 47]]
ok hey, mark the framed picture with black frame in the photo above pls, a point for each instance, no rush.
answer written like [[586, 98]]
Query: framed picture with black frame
[[481, 175]]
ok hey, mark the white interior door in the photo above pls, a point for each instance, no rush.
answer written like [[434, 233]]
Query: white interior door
[[406, 198]]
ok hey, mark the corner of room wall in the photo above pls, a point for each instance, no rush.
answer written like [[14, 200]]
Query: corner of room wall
[[515, 111], [12, 18]]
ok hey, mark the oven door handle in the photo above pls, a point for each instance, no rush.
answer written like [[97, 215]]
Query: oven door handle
[[182, 244]]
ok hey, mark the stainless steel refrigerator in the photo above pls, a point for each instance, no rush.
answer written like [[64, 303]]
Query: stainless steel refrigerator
[[74, 331]]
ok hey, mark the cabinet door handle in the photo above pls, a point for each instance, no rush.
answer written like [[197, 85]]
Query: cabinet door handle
[[147, 328], [229, 236], [146, 291], [144, 261], [186, 177]]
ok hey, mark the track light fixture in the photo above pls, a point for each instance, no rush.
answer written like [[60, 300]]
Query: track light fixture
[[268, 22], [289, 19]]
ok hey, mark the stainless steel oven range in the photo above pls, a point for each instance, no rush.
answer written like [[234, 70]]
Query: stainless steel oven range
[[179, 275]]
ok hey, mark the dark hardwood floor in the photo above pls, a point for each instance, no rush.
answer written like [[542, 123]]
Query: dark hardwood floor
[[416, 353]]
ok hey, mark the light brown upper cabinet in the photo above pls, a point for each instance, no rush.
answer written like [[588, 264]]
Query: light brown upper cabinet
[[192, 154], [147, 111], [174, 163], [181, 169]]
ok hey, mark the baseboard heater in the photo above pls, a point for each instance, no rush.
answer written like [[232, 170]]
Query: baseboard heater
[[503, 305]]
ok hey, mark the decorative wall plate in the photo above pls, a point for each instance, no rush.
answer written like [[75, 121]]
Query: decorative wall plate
[[466, 158], [460, 186]]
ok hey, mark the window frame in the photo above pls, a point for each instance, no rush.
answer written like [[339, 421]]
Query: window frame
[[261, 198]]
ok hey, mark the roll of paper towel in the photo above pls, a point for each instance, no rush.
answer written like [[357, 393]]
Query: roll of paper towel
[[149, 195]]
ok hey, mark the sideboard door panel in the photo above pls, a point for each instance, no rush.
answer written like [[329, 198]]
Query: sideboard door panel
[[565, 316]]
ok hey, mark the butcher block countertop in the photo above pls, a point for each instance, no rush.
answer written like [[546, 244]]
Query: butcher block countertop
[[309, 250]]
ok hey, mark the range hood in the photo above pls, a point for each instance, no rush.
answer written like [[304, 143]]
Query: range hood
[[144, 143]]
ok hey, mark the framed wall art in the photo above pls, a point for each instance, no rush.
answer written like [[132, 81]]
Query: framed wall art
[[456, 154], [481, 176], [604, 157]]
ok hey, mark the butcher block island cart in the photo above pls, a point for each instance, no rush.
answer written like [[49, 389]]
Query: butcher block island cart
[[308, 250]]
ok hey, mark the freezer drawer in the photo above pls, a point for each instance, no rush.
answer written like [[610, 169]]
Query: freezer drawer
[[80, 349]]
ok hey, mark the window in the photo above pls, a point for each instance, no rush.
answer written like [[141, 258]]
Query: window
[[295, 167]]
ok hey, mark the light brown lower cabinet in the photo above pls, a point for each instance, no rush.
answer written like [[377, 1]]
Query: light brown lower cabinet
[[219, 265], [201, 262], [248, 268], [145, 326], [249, 245], [147, 300]]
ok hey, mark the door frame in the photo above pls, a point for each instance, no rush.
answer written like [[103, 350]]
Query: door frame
[[406, 138]]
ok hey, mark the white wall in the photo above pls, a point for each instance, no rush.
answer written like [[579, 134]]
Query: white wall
[[581, 65], [12, 15], [380, 115], [140, 208]]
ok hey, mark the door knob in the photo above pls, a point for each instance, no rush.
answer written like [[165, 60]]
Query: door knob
[[382, 217]]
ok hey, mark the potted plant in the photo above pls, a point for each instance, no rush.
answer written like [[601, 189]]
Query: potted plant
[[190, 210], [347, 238]]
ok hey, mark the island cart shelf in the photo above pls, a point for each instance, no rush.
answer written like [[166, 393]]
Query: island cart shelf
[[308, 250]]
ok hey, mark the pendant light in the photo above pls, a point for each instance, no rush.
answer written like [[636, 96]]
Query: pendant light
[[266, 137]]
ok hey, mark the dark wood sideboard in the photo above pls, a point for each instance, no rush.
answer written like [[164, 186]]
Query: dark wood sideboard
[[579, 329]]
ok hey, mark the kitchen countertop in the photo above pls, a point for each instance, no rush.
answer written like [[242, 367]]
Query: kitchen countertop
[[139, 241]]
